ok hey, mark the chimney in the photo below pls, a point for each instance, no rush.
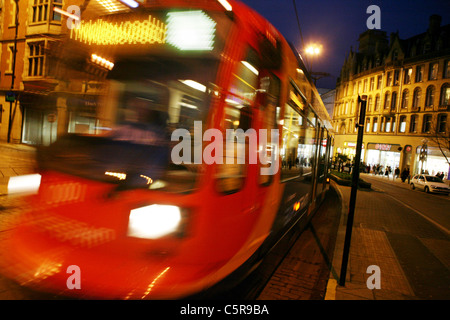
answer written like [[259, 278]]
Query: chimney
[[435, 23]]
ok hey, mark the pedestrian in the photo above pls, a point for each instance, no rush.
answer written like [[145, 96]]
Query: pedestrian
[[404, 175], [397, 173]]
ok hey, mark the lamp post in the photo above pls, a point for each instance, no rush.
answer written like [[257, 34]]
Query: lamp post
[[362, 101]]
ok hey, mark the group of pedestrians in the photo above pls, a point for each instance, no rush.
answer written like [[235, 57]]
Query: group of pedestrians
[[386, 171]]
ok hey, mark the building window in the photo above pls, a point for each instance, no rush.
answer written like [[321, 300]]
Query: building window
[[396, 77], [36, 59], [405, 97], [429, 99], [9, 61], [416, 98], [387, 100], [394, 100], [42, 10], [407, 76], [372, 84], [370, 104], [433, 71], [375, 125], [367, 124], [395, 55], [365, 86], [419, 73], [445, 95], [389, 79], [402, 127], [377, 102], [387, 124], [426, 123], [379, 79], [442, 123], [413, 124], [447, 69]]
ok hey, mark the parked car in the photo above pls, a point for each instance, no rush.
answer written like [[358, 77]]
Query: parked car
[[429, 184]]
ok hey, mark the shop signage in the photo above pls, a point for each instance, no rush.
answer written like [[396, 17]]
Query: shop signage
[[352, 145], [384, 147]]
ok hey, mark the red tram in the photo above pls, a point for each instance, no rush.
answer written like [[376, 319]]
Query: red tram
[[113, 203]]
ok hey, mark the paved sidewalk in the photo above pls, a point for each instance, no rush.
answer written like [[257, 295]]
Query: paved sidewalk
[[369, 246], [399, 244], [15, 159]]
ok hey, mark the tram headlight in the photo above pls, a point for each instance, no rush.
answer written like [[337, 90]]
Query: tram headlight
[[26, 184], [154, 221]]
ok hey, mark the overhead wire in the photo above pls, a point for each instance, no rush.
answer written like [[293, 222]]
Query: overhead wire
[[299, 29]]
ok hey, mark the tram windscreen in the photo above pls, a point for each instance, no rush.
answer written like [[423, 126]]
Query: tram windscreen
[[124, 101]]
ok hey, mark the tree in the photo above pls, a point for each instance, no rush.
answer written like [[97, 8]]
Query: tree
[[440, 136]]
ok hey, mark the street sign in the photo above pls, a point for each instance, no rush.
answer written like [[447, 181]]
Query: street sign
[[10, 96]]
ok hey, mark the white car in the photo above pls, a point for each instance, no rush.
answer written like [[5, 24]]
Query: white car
[[429, 184]]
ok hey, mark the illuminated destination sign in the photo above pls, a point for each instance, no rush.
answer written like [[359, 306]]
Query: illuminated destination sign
[[185, 30], [101, 32]]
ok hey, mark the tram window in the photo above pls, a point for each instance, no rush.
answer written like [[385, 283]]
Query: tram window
[[298, 148], [270, 110], [322, 160], [238, 115]]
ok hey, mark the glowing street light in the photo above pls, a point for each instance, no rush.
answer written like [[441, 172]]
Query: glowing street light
[[314, 49]]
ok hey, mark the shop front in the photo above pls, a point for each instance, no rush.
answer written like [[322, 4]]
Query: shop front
[[349, 149], [383, 154], [40, 119], [434, 162], [83, 117]]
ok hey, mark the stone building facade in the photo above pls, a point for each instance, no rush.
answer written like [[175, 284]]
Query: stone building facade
[[407, 84]]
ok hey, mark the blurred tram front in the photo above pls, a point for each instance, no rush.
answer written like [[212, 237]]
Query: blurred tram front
[[140, 200]]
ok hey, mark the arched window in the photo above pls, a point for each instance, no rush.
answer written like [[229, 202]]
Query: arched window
[[442, 123], [377, 102], [426, 126], [405, 98], [387, 100], [416, 98], [445, 94], [429, 99], [394, 100], [370, 104]]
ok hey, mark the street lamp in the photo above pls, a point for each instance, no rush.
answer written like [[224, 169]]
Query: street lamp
[[313, 50]]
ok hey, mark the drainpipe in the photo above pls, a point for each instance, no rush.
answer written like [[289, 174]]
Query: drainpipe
[[13, 69]]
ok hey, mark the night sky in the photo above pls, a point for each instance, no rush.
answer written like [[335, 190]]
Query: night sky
[[337, 24]]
